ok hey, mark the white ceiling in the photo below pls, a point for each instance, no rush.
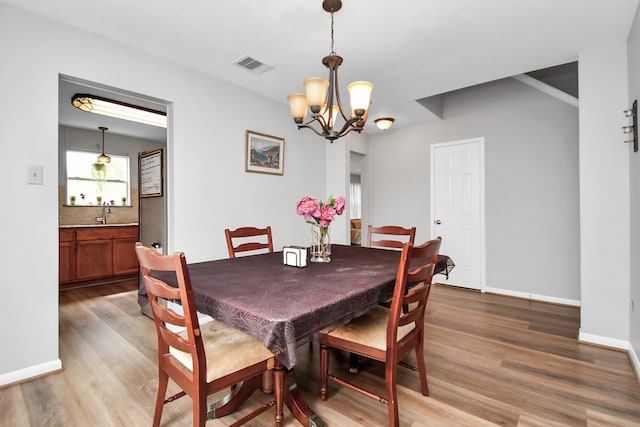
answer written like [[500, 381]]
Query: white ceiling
[[409, 49]]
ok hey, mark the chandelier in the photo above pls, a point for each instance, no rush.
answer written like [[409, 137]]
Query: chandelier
[[323, 97]]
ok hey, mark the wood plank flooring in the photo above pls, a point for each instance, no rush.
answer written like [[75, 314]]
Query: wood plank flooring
[[491, 360]]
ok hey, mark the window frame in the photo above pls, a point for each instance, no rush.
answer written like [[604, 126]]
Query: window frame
[[86, 178]]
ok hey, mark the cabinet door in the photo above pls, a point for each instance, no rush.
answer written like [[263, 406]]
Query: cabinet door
[[94, 259], [67, 262], [125, 260]]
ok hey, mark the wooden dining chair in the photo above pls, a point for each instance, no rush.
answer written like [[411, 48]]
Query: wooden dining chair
[[200, 359], [262, 235], [388, 334], [390, 236]]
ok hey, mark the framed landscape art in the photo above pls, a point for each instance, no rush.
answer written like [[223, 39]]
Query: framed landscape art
[[264, 153]]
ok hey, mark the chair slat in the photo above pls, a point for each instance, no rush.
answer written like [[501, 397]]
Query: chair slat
[[248, 232]]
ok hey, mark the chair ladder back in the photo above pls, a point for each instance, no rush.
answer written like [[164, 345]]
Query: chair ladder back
[[420, 282], [246, 232], [428, 251], [399, 292], [389, 230], [151, 262]]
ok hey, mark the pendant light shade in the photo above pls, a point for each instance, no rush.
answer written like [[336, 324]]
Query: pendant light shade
[[103, 158], [298, 106], [316, 92], [360, 94]]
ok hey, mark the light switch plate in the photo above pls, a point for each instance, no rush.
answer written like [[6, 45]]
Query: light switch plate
[[34, 175]]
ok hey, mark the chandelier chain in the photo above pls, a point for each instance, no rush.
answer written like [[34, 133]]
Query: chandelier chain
[[333, 52]]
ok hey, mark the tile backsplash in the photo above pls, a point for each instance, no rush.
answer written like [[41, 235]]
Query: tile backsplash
[[86, 215]]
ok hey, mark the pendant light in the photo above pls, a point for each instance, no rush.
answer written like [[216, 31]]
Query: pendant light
[[103, 158]]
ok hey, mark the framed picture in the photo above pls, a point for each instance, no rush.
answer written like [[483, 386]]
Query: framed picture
[[264, 153], [150, 173]]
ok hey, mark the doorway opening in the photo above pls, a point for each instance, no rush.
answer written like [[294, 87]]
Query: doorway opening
[[80, 131], [355, 197]]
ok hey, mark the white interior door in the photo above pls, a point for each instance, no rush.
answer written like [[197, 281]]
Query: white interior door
[[457, 201]]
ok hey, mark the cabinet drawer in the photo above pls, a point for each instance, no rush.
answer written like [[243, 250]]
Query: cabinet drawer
[[66, 234], [107, 233]]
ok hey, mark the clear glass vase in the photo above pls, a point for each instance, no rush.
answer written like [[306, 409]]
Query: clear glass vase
[[320, 244]]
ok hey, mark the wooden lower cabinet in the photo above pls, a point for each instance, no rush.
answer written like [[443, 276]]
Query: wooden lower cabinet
[[94, 259], [95, 254], [67, 256], [125, 260]]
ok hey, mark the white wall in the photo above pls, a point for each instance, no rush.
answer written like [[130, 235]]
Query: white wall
[[604, 197], [633, 57], [531, 182], [208, 188]]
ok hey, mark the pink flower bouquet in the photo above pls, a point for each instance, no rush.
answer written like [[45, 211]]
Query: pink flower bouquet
[[315, 212], [320, 215]]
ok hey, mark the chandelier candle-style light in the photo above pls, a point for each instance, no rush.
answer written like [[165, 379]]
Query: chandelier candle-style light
[[323, 96]]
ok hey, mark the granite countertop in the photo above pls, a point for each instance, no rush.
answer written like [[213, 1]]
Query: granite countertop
[[98, 225]]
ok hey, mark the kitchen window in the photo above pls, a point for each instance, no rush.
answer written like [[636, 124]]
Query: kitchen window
[[92, 183]]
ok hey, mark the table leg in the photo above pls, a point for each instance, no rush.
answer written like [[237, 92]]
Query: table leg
[[293, 398], [238, 394]]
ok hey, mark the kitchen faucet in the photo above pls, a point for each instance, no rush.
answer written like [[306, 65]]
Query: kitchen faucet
[[105, 211]]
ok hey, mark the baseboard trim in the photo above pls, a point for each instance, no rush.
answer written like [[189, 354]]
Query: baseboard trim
[[604, 341], [635, 362], [533, 297], [32, 372]]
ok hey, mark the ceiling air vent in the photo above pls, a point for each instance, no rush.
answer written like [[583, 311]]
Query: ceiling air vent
[[252, 64]]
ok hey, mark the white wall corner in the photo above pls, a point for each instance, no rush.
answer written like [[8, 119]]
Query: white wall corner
[[337, 184], [604, 188], [433, 105]]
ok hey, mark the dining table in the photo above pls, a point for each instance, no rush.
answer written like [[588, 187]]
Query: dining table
[[286, 306]]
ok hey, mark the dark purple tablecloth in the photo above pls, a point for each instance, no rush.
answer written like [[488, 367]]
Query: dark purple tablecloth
[[285, 306]]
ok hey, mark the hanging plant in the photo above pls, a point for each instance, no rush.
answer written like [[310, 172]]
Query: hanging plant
[[99, 173]]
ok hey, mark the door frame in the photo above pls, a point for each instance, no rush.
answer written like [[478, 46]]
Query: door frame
[[481, 209]]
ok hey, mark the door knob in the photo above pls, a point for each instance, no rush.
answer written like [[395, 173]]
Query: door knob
[[437, 222]]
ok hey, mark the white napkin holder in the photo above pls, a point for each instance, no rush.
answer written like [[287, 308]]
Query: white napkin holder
[[295, 256]]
